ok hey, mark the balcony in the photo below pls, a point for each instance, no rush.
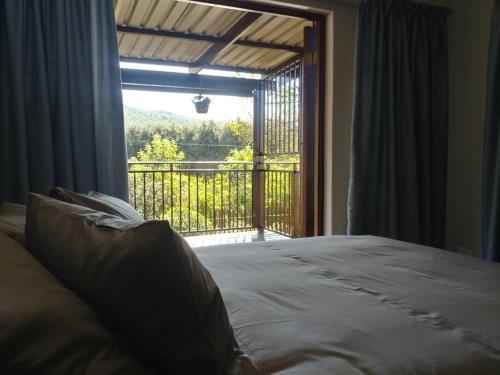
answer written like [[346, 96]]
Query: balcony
[[213, 197]]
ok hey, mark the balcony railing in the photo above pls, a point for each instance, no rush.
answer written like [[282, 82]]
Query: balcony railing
[[282, 197], [215, 197]]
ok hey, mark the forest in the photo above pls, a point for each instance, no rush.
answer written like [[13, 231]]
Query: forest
[[202, 198], [195, 139]]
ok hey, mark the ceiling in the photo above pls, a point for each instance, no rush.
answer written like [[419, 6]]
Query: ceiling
[[202, 36]]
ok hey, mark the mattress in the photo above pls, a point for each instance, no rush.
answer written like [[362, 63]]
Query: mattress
[[359, 305]]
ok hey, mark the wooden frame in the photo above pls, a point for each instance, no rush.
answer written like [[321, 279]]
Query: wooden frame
[[313, 147], [258, 190], [230, 37], [312, 153], [188, 83], [258, 7], [204, 38], [313, 130], [145, 60]]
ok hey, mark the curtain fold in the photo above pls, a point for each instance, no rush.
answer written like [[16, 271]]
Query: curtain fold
[[61, 112], [491, 164], [399, 142]]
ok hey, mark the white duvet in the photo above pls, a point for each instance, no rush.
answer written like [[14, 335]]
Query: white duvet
[[359, 305]]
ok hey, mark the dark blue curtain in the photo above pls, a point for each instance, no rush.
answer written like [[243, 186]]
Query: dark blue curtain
[[400, 130], [491, 172], [61, 115]]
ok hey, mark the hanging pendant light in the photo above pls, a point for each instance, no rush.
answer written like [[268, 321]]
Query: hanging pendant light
[[201, 103]]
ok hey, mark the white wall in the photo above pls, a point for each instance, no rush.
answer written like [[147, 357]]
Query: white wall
[[469, 37], [469, 26], [340, 84], [338, 131]]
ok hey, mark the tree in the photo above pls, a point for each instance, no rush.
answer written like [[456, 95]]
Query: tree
[[245, 154], [159, 149], [243, 131], [197, 139], [194, 199], [147, 182]]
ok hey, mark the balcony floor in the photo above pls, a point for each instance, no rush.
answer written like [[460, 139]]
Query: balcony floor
[[230, 238]]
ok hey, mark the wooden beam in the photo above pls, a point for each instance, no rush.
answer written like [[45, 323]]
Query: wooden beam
[[313, 157], [308, 157], [258, 177], [205, 38], [229, 37], [183, 82], [243, 5], [184, 64], [320, 27], [283, 65], [167, 33], [282, 47], [185, 90]]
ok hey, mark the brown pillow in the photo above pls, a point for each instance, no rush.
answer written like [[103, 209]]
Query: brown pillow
[[13, 220], [47, 329], [99, 202], [142, 277]]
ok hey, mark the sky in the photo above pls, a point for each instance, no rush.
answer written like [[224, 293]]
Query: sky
[[222, 108]]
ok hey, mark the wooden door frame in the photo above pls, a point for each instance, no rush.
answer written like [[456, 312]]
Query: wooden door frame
[[263, 8], [313, 142]]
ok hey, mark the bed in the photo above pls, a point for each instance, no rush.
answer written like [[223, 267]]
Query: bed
[[325, 305], [359, 305]]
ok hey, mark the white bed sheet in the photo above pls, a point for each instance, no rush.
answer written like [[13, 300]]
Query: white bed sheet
[[360, 305]]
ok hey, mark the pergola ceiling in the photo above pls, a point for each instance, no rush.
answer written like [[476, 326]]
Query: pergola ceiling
[[205, 35]]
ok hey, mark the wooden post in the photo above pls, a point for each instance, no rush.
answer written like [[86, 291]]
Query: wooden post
[[258, 176], [297, 230], [312, 155]]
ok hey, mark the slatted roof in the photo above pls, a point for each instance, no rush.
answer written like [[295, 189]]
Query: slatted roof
[[201, 35]]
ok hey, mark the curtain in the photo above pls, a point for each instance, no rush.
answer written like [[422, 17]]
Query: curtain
[[399, 142], [491, 164], [61, 112]]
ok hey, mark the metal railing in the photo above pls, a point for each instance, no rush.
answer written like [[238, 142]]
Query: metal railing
[[282, 197], [213, 196]]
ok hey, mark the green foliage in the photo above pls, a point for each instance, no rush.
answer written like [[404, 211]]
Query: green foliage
[[198, 140], [159, 149], [242, 131], [148, 118], [201, 200], [245, 154], [193, 201]]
